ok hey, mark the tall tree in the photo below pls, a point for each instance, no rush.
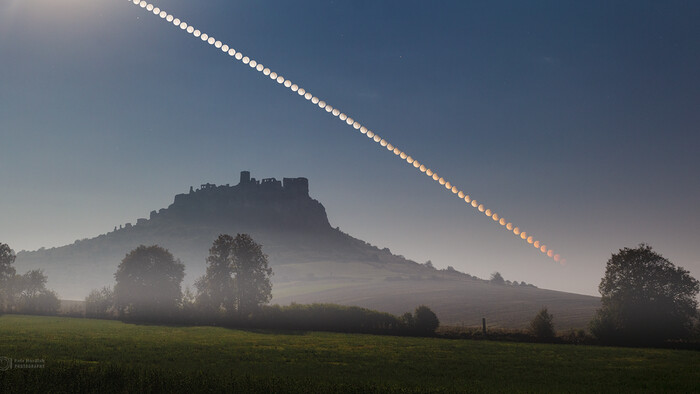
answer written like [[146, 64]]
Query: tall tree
[[24, 293], [7, 273], [148, 283], [252, 275], [33, 283], [645, 298], [32, 296], [215, 290], [7, 258]]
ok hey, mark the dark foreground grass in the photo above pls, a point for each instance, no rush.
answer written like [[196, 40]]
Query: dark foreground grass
[[83, 355]]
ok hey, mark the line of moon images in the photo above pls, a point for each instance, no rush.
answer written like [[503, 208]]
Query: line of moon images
[[253, 64]]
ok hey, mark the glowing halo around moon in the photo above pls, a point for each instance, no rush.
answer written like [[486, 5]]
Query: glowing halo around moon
[[255, 65]]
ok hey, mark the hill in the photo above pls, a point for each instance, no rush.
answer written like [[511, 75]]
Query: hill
[[311, 260]]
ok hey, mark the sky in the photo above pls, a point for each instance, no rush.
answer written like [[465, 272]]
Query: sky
[[577, 121]]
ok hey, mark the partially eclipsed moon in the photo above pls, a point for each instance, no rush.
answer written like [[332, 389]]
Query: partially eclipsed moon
[[343, 117]]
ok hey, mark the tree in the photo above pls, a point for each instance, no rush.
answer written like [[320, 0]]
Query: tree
[[7, 258], [33, 283], [148, 283], [425, 320], [215, 290], [7, 273], [30, 295], [497, 279], [645, 298], [252, 275], [24, 293], [237, 279], [542, 326]]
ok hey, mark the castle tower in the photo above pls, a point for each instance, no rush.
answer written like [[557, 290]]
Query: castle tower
[[245, 177]]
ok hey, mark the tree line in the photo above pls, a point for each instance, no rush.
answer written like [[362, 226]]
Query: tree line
[[646, 299], [234, 291], [25, 293]]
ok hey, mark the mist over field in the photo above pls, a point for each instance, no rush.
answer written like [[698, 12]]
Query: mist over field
[[311, 261]]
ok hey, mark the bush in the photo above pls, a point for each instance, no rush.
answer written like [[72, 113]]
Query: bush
[[576, 337], [425, 321], [542, 326], [408, 320], [45, 302], [100, 303], [324, 317], [605, 328], [28, 294], [340, 318]]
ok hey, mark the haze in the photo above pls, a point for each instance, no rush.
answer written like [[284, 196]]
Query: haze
[[577, 122]]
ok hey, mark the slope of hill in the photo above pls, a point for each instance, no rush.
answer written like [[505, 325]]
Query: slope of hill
[[311, 260]]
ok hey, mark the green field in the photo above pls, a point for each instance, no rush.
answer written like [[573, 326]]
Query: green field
[[83, 355]]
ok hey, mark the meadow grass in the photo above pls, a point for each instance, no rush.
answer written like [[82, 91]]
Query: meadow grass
[[86, 355]]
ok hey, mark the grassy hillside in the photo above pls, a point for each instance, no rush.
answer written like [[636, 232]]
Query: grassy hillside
[[457, 300], [109, 356]]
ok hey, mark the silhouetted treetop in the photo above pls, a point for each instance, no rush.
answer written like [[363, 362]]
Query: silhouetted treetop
[[253, 286], [425, 320], [7, 258], [215, 290], [542, 325], [645, 298], [497, 279], [148, 282]]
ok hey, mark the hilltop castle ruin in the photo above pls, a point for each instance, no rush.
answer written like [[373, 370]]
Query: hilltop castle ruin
[[250, 201], [249, 191], [250, 187]]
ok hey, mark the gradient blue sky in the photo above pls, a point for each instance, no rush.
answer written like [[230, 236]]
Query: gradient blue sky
[[578, 121]]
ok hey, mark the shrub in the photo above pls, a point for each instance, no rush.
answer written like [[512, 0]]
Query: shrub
[[324, 317], [541, 325], [576, 337], [407, 320], [45, 302], [425, 321], [100, 303]]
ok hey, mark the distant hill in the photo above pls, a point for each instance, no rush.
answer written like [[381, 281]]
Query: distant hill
[[311, 260]]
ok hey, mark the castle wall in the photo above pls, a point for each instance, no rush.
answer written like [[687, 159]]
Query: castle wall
[[296, 186], [248, 187]]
